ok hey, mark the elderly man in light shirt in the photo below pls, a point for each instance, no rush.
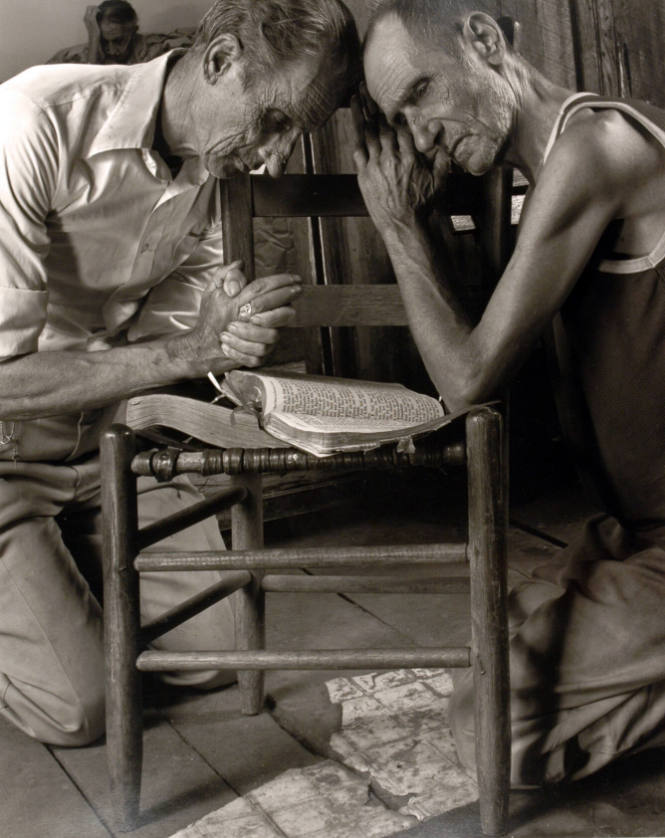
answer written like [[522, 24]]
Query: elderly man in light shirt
[[110, 245]]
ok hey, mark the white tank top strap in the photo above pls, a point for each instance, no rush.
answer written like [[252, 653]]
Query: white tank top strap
[[565, 113], [569, 108]]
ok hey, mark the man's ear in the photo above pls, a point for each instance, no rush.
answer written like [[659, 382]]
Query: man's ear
[[220, 55], [484, 35]]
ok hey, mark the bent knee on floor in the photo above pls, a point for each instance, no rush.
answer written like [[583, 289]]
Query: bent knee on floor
[[84, 721], [87, 727], [63, 720], [535, 761]]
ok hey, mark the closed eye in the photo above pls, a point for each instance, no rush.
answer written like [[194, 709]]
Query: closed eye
[[418, 90], [276, 121], [415, 93]]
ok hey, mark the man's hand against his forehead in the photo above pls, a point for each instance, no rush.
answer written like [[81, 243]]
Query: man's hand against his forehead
[[90, 20], [394, 178]]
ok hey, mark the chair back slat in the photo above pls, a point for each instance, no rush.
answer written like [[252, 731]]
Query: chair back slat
[[350, 305], [298, 196]]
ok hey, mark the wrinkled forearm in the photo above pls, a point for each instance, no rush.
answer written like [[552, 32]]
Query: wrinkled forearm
[[440, 327], [52, 383]]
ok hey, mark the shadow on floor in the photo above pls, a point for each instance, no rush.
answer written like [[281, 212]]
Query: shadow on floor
[[626, 799]]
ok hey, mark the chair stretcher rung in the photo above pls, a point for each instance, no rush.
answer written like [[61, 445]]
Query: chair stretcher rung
[[194, 605], [309, 659], [191, 515], [314, 557], [289, 583]]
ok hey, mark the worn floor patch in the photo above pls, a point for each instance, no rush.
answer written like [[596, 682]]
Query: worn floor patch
[[321, 801], [395, 732], [399, 766]]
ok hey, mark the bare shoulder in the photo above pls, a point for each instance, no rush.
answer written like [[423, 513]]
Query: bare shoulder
[[608, 154]]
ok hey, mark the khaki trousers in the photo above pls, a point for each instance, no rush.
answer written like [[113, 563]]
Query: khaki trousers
[[51, 651]]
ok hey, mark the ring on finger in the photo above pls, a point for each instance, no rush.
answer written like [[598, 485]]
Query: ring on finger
[[245, 311]]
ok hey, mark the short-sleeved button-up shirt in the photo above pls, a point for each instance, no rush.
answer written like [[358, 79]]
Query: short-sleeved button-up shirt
[[91, 218]]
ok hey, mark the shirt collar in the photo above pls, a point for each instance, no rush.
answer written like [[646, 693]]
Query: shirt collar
[[131, 123]]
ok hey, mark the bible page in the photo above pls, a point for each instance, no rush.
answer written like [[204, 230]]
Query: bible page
[[348, 399]]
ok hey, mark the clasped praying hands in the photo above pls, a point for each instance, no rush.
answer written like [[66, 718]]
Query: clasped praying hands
[[239, 321]]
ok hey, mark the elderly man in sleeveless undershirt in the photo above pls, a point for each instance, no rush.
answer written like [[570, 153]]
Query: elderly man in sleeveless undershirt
[[588, 635]]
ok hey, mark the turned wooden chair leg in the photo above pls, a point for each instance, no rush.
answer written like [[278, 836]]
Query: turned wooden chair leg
[[247, 534], [124, 723], [489, 628]]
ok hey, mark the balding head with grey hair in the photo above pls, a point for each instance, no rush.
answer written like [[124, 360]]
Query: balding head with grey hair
[[278, 32], [259, 73]]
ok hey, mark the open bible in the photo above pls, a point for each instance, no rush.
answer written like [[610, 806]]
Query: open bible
[[209, 422], [324, 415], [318, 414]]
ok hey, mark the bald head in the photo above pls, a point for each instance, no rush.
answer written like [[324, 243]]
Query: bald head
[[431, 22]]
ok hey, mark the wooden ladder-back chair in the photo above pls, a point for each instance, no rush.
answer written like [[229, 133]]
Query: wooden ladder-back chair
[[476, 445]]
